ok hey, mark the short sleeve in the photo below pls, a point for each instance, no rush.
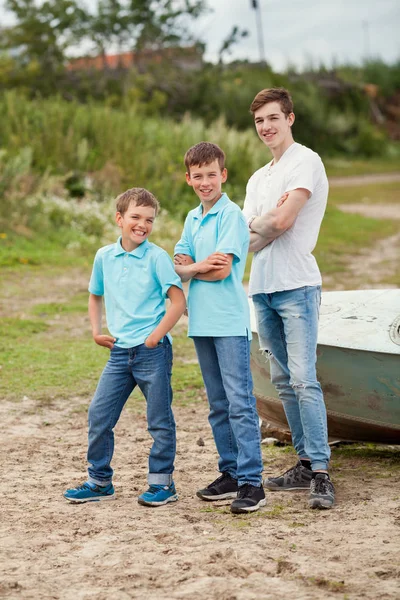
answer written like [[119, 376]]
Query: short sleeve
[[96, 284], [250, 201], [184, 245], [233, 234], [302, 175], [166, 274]]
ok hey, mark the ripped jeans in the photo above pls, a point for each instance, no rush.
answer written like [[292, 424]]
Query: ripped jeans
[[287, 325]]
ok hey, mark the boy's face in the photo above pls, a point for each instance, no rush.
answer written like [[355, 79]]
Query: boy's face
[[136, 225], [272, 125], [207, 181]]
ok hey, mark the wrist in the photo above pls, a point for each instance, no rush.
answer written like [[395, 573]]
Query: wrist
[[250, 221]]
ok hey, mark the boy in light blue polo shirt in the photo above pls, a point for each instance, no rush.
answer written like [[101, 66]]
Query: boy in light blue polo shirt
[[212, 255], [135, 277]]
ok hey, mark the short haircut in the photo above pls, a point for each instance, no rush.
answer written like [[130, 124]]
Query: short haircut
[[139, 196], [204, 153], [273, 95]]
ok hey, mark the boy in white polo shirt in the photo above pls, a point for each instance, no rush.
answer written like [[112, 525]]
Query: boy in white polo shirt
[[212, 255], [285, 284], [135, 277]]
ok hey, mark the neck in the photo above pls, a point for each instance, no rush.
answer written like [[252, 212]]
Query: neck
[[208, 205], [278, 152], [128, 245]]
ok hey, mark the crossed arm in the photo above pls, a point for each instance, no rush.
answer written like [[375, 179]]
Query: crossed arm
[[266, 228], [215, 267]]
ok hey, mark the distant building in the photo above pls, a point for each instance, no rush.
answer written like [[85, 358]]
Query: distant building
[[187, 59]]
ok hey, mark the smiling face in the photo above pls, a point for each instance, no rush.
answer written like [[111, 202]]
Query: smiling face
[[136, 225], [274, 128], [206, 182]]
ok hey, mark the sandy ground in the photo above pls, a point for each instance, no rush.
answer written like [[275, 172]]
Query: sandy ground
[[51, 549], [190, 549]]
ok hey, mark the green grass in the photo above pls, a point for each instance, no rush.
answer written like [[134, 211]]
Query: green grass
[[45, 248], [347, 167], [41, 359], [77, 304], [385, 193], [343, 235]]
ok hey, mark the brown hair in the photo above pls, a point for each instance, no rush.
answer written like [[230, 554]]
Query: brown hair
[[273, 95], [204, 153], [139, 196]]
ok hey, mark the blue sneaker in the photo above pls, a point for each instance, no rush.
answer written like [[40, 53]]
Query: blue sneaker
[[90, 492], [157, 495]]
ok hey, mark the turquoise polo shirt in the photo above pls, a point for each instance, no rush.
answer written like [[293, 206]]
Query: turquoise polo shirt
[[134, 285], [217, 308]]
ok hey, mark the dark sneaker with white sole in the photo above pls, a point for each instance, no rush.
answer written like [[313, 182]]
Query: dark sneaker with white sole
[[295, 478], [222, 488], [249, 499], [322, 492]]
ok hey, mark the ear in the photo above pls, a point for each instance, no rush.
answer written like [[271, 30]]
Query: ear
[[118, 219], [224, 175], [291, 119], [188, 180]]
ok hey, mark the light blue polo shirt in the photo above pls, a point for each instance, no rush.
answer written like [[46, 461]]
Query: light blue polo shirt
[[134, 285], [217, 308]]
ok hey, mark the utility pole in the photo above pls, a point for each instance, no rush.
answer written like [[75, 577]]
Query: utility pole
[[365, 25], [255, 4]]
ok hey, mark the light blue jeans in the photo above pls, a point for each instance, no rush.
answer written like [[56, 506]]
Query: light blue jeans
[[287, 324], [150, 369], [225, 366]]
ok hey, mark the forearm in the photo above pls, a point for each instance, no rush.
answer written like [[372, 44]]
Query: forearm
[[257, 242], [186, 272], [95, 313], [213, 275], [269, 226], [172, 315]]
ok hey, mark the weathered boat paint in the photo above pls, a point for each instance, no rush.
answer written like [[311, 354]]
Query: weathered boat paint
[[358, 366]]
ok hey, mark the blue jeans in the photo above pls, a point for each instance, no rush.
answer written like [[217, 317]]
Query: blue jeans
[[225, 366], [287, 324], [150, 369]]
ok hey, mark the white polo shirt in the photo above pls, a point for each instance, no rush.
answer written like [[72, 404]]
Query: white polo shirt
[[287, 263]]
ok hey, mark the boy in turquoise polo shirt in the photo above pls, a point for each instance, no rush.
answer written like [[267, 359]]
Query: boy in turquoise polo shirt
[[212, 255], [135, 277]]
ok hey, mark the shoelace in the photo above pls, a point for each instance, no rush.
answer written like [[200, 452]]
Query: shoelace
[[244, 490], [220, 478], [320, 485]]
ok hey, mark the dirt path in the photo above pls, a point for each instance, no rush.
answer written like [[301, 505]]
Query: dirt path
[[51, 549], [376, 264], [364, 179]]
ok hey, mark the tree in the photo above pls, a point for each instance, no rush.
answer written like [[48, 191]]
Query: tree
[[39, 39], [141, 24]]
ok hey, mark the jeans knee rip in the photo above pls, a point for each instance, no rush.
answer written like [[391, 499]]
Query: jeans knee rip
[[267, 353], [301, 386]]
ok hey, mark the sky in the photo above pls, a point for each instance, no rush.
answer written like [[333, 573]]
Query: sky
[[304, 32], [299, 32]]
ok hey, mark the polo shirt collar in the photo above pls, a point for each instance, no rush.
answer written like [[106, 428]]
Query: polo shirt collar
[[215, 209], [138, 252]]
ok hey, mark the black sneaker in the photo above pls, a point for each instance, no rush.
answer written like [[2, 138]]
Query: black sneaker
[[296, 478], [322, 492], [249, 498], [223, 487]]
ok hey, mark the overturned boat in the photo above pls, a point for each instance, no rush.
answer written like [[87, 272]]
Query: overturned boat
[[358, 366]]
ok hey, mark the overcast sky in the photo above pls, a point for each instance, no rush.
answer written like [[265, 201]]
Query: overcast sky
[[304, 31], [301, 32]]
